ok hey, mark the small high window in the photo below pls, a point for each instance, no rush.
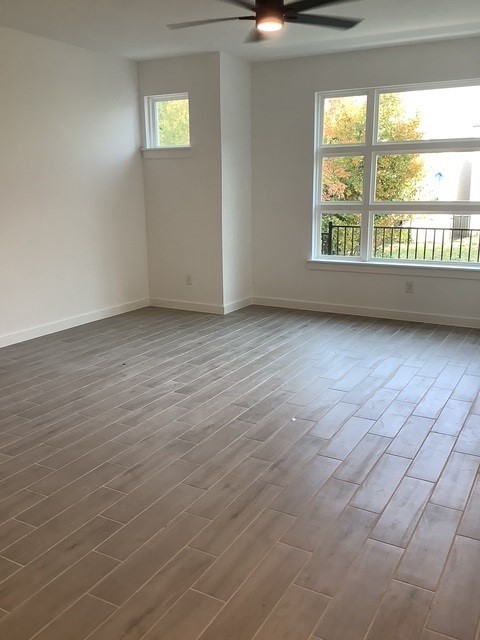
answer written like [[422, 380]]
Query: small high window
[[167, 121]]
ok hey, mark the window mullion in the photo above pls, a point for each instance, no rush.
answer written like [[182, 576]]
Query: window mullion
[[155, 127], [317, 177], [427, 146], [149, 131], [368, 178], [421, 206]]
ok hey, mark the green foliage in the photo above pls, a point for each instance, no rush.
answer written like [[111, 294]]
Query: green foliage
[[344, 120], [173, 123], [399, 177], [393, 125]]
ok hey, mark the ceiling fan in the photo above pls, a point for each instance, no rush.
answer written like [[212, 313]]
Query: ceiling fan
[[271, 15]]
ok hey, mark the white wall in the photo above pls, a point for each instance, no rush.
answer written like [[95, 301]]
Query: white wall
[[72, 234], [72, 225], [283, 116], [184, 194], [235, 97], [199, 205]]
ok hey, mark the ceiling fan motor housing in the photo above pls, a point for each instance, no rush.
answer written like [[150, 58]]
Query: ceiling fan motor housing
[[269, 11]]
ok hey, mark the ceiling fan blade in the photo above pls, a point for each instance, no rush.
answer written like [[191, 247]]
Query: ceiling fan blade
[[197, 23], [305, 5], [323, 21], [241, 3], [255, 36]]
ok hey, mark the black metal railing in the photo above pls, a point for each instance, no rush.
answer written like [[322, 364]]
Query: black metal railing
[[341, 240], [406, 243]]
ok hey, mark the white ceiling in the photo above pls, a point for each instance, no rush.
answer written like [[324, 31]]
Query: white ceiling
[[136, 28]]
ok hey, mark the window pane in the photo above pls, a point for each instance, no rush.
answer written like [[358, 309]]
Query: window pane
[[342, 178], [429, 114], [433, 237], [173, 123], [340, 234], [344, 120], [428, 177]]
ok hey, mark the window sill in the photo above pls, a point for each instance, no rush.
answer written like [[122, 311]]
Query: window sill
[[382, 268], [168, 152]]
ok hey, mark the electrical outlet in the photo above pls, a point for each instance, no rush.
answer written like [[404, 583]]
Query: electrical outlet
[[188, 280], [409, 287]]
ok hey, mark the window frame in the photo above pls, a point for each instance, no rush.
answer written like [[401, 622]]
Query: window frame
[[152, 141], [371, 149]]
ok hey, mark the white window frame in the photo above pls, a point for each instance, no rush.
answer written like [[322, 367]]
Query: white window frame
[[152, 141], [372, 148]]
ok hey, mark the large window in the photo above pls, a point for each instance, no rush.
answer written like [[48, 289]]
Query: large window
[[398, 175], [167, 121]]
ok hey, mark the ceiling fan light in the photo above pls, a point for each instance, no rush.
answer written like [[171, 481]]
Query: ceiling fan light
[[270, 23]]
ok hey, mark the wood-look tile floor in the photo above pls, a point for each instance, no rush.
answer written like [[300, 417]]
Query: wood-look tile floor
[[267, 475]]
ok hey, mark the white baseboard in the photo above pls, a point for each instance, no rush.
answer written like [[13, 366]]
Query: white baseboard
[[393, 314], [202, 307], [372, 312], [68, 323], [239, 304], [183, 305]]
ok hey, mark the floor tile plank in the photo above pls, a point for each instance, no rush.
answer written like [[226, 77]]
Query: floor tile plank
[[74, 491], [282, 440], [358, 464], [401, 515], [141, 528], [319, 514], [432, 457], [353, 608], [393, 419], [230, 523], [147, 606], [452, 417], [131, 574], [326, 569], [53, 562], [347, 438], [11, 531], [294, 617], [228, 572], [456, 608], [411, 437], [257, 597], [456, 481], [230, 487], [18, 502], [137, 474], [77, 622], [289, 465], [308, 482], [333, 420], [53, 599], [150, 491], [381, 483], [470, 525], [428, 549], [46, 536], [402, 613], [469, 438], [219, 465], [186, 619]]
